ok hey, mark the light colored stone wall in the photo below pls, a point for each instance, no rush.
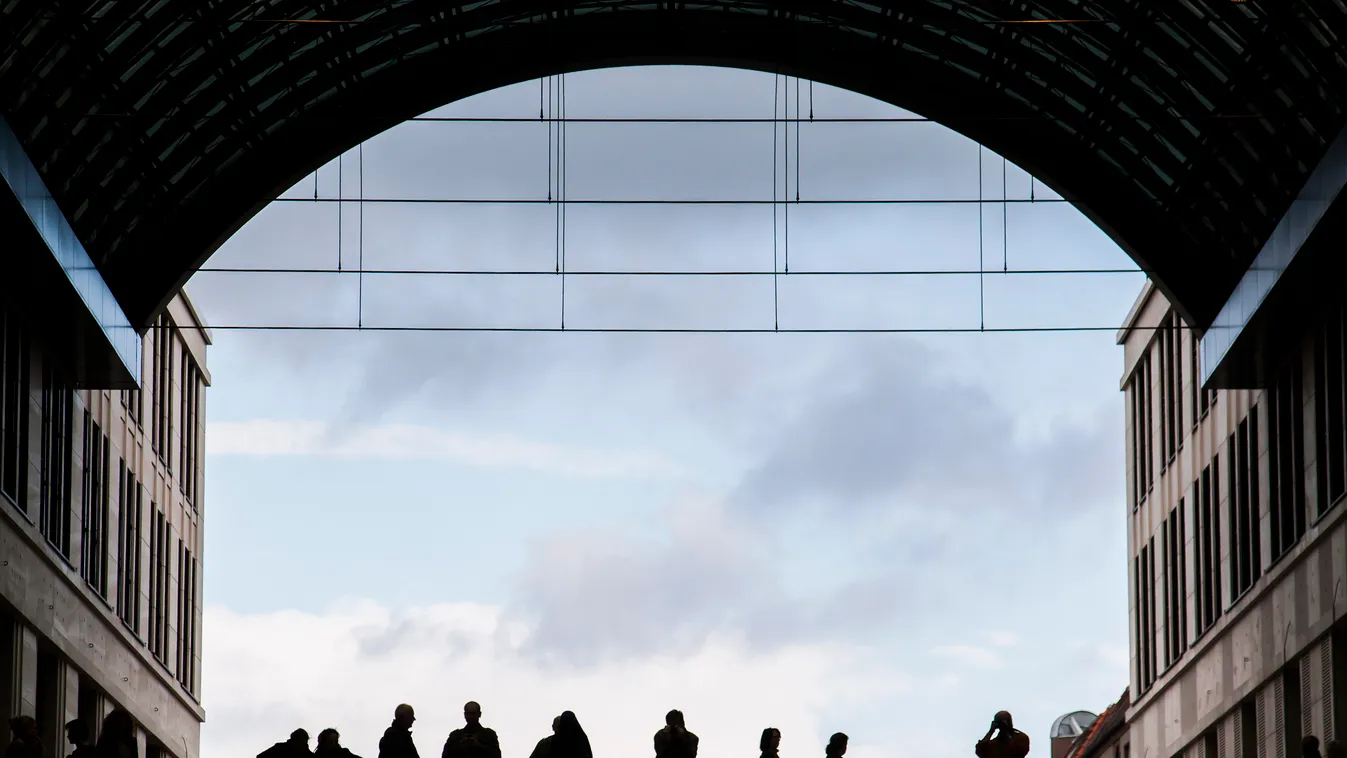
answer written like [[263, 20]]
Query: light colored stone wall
[[48, 603], [1220, 694]]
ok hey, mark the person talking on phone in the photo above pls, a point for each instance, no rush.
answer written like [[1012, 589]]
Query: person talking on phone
[[1003, 740]]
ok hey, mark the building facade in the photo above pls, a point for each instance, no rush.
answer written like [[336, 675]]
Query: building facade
[[1237, 537], [101, 515]]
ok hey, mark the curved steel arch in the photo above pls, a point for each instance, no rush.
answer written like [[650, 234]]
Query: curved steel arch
[[1182, 129]]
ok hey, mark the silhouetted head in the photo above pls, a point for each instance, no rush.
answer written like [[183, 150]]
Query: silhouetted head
[[118, 728], [24, 728], [77, 732], [770, 741], [1309, 746], [556, 721], [568, 724], [570, 740], [675, 718], [299, 736], [404, 716], [1004, 718], [1335, 749], [837, 746], [472, 712], [329, 738]]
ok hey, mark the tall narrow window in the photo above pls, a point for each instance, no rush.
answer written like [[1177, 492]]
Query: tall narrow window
[[1144, 570], [128, 549], [191, 398], [156, 337], [1242, 505], [1171, 382], [159, 568], [1207, 587], [1329, 420], [1167, 596], [1162, 345], [1139, 619], [1286, 461], [1181, 578], [56, 462], [1141, 430], [1176, 382], [1175, 587], [94, 545], [1148, 565], [13, 412], [162, 364], [186, 658], [181, 624]]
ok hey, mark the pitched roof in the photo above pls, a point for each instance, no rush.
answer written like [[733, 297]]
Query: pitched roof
[[1109, 723]]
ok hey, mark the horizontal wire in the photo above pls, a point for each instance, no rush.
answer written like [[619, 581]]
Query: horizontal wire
[[945, 120], [805, 120], [633, 330], [569, 272], [662, 201]]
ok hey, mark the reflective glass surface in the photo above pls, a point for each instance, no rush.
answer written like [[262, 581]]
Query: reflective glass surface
[[21, 175]]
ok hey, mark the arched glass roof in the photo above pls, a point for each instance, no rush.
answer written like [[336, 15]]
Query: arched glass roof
[[1183, 129], [1072, 724]]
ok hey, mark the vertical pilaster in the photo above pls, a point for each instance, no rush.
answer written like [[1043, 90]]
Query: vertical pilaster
[[25, 671], [8, 679], [70, 693]]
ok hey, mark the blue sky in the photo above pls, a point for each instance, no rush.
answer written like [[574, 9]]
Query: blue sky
[[888, 535]]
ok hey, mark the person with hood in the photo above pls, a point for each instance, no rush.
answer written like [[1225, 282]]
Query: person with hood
[[118, 738], [295, 747], [25, 742], [770, 742], [570, 740], [397, 740], [329, 746]]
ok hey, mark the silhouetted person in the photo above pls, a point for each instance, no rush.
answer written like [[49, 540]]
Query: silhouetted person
[[397, 739], [674, 740], [24, 742], [118, 738], [544, 746], [1309, 746], [770, 742], [473, 740], [295, 747], [77, 734], [1008, 741], [570, 740], [837, 746], [329, 746], [1335, 749]]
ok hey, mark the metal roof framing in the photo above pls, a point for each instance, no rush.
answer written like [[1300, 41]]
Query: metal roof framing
[[1184, 129]]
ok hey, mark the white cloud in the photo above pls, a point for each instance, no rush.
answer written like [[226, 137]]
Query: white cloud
[[407, 442], [969, 655], [1003, 639], [266, 674]]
